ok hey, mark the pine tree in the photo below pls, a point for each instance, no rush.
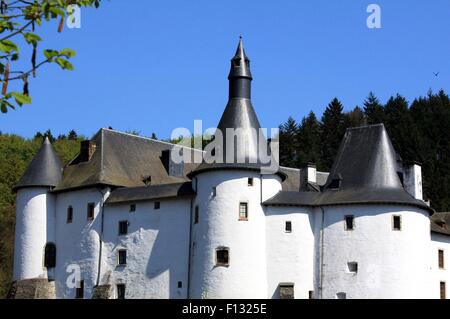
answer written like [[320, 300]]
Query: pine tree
[[73, 136], [309, 142], [332, 132], [373, 110], [288, 138], [355, 118]]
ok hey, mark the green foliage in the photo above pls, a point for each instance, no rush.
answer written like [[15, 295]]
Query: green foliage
[[15, 155], [419, 132], [22, 19]]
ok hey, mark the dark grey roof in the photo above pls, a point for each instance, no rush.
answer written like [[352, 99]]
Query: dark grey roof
[[366, 170], [44, 170], [287, 198], [152, 192], [121, 160], [440, 223]]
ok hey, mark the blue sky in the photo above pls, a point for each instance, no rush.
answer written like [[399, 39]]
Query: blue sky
[[153, 66]]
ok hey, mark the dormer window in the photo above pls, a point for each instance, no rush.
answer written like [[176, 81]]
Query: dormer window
[[335, 183], [237, 62]]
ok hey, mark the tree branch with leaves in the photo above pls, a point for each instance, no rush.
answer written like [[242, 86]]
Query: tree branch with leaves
[[21, 18]]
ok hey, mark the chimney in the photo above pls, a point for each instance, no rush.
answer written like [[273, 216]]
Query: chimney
[[172, 168], [308, 174], [87, 149], [412, 179]]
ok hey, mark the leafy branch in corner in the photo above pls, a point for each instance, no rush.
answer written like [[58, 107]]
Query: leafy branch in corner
[[21, 18]]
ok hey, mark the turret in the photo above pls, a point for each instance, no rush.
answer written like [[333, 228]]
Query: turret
[[35, 247], [228, 256]]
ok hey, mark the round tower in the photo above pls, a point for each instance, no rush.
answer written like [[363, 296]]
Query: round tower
[[34, 246], [372, 236], [228, 237]]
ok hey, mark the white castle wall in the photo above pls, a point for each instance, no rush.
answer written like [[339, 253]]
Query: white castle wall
[[391, 264], [157, 247], [77, 243], [35, 210], [290, 255], [219, 226], [439, 241]]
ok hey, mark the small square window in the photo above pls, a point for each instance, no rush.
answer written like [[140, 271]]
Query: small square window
[[441, 258], [132, 207], [397, 222], [349, 222], [222, 257], [243, 211], [90, 211], [180, 284], [341, 295], [286, 291], [123, 227], [69, 215], [288, 227], [79, 292], [352, 267], [157, 205], [122, 258], [250, 181], [120, 291], [196, 215]]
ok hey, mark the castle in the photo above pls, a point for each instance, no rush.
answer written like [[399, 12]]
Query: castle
[[124, 220]]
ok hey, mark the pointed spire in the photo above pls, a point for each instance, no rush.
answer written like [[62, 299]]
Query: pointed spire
[[44, 170], [240, 63]]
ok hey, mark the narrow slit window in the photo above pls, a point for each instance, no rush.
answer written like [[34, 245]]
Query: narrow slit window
[[214, 191], [311, 294], [243, 211], [122, 258], [196, 215], [90, 211], [69, 215], [222, 257], [120, 291], [180, 284], [442, 287], [50, 255], [441, 258], [396, 222], [79, 292], [250, 181], [349, 222], [288, 227], [157, 205], [123, 227], [132, 208]]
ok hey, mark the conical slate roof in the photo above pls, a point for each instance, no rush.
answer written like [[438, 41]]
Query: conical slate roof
[[365, 171], [44, 170], [240, 63]]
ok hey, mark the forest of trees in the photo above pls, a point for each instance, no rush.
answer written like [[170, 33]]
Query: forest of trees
[[419, 131]]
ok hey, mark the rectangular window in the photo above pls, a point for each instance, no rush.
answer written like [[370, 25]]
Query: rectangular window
[[214, 192], [341, 295], [397, 222], [180, 284], [90, 211], [441, 258], [352, 267], [222, 257], [311, 294], [442, 290], [243, 211], [123, 227], [120, 291], [286, 291], [250, 181], [288, 227], [69, 215], [79, 292], [132, 207], [157, 205], [349, 222], [196, 215], [122, 258]]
